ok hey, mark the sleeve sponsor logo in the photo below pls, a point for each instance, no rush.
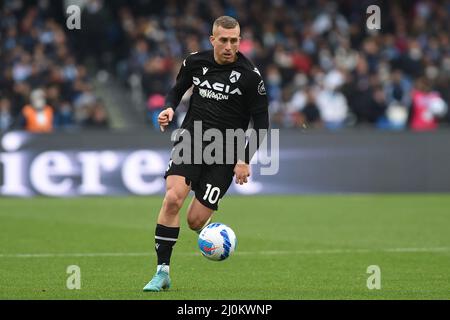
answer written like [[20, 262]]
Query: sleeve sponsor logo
[[261, 88]]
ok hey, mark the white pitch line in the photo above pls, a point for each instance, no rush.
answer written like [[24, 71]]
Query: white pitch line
[[405, 250], [76, 255], [270, 253]]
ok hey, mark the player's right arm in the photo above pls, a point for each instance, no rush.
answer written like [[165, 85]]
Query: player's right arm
[[173, 98]]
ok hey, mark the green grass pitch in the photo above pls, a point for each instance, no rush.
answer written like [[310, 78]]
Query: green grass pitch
[[289, 247]]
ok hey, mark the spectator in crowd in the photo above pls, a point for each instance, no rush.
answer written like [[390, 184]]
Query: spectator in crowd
[[97, 116], [36, 52], [333, 108], [427, 107], [64, 116], [155, 105], [38, 116], [6, 118], [308, 114]]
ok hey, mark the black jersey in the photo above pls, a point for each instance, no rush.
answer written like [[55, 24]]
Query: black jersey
[[224, 96]]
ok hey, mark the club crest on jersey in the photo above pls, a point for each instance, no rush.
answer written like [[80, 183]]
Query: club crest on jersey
[[205, 70], [235, 76]]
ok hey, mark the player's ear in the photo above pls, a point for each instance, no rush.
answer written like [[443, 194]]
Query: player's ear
[[211, 39]]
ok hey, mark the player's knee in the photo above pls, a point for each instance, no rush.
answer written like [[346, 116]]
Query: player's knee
[[194, 224], [172, 202]]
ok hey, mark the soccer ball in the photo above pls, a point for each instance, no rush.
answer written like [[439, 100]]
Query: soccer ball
[[217, 242]]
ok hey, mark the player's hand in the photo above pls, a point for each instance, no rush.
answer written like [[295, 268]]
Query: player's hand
[[242, 172], [165, 118]]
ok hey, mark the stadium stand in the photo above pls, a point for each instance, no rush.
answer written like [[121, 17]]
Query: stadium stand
[[36, 55], [323, 68]]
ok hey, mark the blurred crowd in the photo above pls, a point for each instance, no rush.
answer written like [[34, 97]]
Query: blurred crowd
[[322, 66], [43, 86]]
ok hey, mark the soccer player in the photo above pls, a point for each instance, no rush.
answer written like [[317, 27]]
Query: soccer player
[[228, 92]]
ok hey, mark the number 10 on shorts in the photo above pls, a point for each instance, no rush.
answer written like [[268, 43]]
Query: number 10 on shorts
[[211, 194]]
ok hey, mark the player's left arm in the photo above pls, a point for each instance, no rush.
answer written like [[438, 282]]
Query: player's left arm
[[258, 105], [259, 110]]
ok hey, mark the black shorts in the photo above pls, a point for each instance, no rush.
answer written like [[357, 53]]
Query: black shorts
[[209, 182]]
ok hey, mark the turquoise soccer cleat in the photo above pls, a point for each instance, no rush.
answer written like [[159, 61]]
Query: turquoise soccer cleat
[[161, 280]]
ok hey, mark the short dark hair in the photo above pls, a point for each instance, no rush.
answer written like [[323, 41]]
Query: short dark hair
[[226, 22]]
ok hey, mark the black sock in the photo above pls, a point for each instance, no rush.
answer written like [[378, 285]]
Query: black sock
[[165, 239]]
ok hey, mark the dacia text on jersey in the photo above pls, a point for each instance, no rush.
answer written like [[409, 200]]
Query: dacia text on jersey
[[206, 90]]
